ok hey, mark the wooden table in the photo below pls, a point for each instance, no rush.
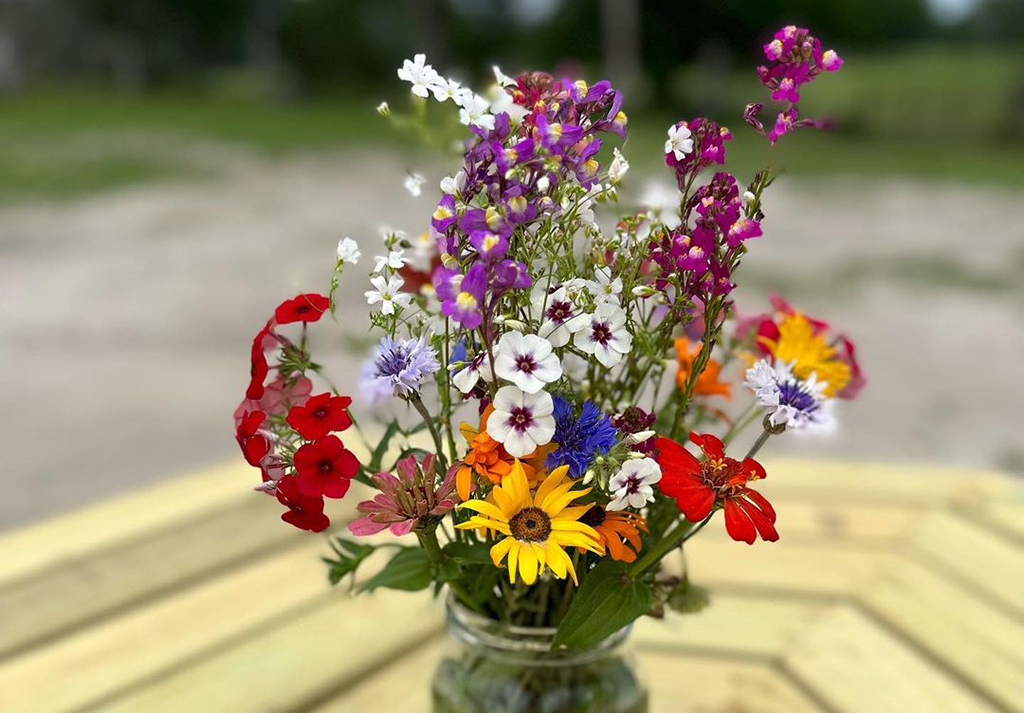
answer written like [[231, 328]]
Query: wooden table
[[892, 589]]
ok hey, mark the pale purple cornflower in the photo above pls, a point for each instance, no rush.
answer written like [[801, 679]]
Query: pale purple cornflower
[[797, 403], [403, 363]]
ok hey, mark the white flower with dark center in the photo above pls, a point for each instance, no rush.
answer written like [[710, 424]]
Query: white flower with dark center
[[679, 142], [388, 293], [618, 168], [474, 112], [454, 185], [348, 251], [527, 361], [520, 421], [797, 403], [467, 377], [419, 74], [414, 184], [631, 486], [559, 318], [605, 335], [395, 260], [604, 288]]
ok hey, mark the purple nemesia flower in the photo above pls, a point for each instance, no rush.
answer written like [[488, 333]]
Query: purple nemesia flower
[[741, 230], [462, 297], [403, 363], [490, 246], [444, 216], [484, 219], [510, 275], [520, 210]]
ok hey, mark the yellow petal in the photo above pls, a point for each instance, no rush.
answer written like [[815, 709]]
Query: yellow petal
[[552, 494], [528, 564], [477, 522], [551, 482], [555, 505], [517, 486], [576, 539], [504, 501], [538, 549], [573, 526], [575, 512], [468, 432], [501, 549], [557, 559], [485, 508], [513, 559]]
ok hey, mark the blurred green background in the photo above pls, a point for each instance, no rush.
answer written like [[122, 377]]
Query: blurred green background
[[100, 93]]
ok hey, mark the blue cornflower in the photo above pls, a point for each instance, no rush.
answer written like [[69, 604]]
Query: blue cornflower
[[580, 438], [402, 363]]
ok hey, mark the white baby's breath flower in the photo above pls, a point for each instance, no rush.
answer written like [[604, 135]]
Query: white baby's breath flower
[[388, 293], [395, 260], [414, 184], [474, 112], [419, 74], [348, 251], [501, 78], [679, 142], [618, 168], [445, 89]]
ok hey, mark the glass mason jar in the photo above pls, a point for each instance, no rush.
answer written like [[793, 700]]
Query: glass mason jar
[[496, 668]]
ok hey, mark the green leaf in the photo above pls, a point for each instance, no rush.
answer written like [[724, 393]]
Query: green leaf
[[688, 598], [409, 570], [350, 556], [467, 553], [607, 600], [382, 447]]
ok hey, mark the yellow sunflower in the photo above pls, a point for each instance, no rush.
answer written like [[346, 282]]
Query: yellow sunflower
[[535, 527], [798, 343]]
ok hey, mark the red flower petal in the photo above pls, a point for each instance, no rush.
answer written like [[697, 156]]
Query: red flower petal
[[738, 523], [764, 526], [320, 415], [760, 501], [672, 456], [307, 307], [709, 444]]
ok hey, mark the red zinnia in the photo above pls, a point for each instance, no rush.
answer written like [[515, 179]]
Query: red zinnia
[[302, 308], [304, 512], [320, 415], [254, 446], [699, 486], [325, 467]]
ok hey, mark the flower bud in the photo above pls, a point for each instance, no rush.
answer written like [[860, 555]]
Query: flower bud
[[588, 476], [383, 109], [543, 184], [748, 197], [638, 437], [634, 455], [515, 324]]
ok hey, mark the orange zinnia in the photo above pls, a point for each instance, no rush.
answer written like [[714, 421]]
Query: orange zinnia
[[488, 458], [616, 528], [707, 383]]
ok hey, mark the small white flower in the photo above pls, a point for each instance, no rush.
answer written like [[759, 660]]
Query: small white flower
[[520, 421], [631, 486], [558, 316], [638, 437], [618, 168], [466, 378], [384, 109], [445, 89], [605, 335], [527, 361], [419, 74], [474, 113], [414, 184], [388, 293], [543, 184], [679, 142], [501, 78], [454, 185], [424, 248], [394, 260], [348, 251], [662, 205], [604, 288]]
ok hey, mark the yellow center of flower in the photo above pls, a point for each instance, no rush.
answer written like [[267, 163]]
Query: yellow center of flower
[[493, 218], [581, 86], [442, 213], [490, 241], [530, 525], [590, 166], [517, 204], [555, 131], [620, 118], [466, 301]]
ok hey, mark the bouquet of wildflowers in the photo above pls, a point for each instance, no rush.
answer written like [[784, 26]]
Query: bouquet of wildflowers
[[569, 372]]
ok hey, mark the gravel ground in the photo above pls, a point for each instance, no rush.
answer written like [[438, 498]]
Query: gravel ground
[[125, 318]]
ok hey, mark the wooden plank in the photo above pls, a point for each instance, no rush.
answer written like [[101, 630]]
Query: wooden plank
[[100, 660], [800, 569], [855, 665], [843, 481], [734, 625], [724, 685], [986, 561], [318, 652], [968, 635]]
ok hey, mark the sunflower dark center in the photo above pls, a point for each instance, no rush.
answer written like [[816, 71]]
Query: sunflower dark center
[[530, 525]]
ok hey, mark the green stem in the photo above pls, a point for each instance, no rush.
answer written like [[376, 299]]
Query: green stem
[[677, 536], [746, 418], [428, 541], [428, 420], [768, 432]]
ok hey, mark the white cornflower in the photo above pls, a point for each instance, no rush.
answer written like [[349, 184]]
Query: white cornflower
[[445, 89], [414, 184], [419, 74], [395, 260], [348, 251], [605, 335], [527, 361], [618, 168], [474, 113], [797, 403], [467, 377], [520, 421], [388, 293], [631, 486], [679, 142], [559, 318], [453, 185], [604, 288]]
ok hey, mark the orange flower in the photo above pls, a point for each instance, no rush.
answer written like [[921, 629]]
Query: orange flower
[[488, 459], [707, 383], [616, 528]]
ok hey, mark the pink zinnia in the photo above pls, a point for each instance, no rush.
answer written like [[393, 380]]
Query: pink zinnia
[[406, 500]]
